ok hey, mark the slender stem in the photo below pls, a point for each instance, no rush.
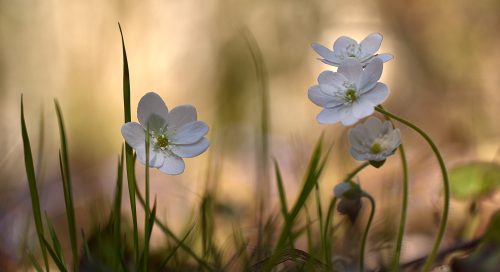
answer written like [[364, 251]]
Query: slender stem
[[326, 232], [365, 234], [356, 171], [404, 204], [446, 184], [147, 211], [404, 208]]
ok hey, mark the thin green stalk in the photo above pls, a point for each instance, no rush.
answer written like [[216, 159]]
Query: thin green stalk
[[446, 184], [129, 155], [326, 232], [404, 205], [164, 228], [68, 192], [30, 174], [404, 208], [356, 171], [365, 234], [146, 214]]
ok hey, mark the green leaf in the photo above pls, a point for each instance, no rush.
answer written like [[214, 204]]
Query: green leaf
[[56, 259], [66, 179], [474, 180], [30, 173], [55, 240], [129, 154], [32, 258]]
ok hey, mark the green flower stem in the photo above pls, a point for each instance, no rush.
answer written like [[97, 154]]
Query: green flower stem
[[365, 234], [147, 210], [326, 232], [446, 184], [356, 171], [404, 204], [404, 208]]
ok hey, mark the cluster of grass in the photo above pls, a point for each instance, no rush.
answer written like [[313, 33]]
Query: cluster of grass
[[117, 245], [110, 248]]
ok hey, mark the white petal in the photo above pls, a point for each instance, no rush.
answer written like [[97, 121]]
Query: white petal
[[342, 43], [156, 159], [152, 109], [318, 97], [349, 120], [172, 165], [322, 51], [370, 75], [189, 133], [192, 150], [335, 61], [181, 115], [357, 155], [371, 44], [134, 134], [335, 79], [351, 69], [329, 116], [376, 95], [385, 57], [373, 127], [361, 110]]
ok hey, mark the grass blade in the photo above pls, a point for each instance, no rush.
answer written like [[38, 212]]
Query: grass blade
[[66, 179], [129, 155], [55, 241], [115, 216], [30, 173], [281, 190], [56, 259], [168, 232], [174, 250], [262, 138], [313, 173], [36, 265]]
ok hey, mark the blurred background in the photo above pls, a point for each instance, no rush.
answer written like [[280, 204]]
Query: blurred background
[[444, 78]]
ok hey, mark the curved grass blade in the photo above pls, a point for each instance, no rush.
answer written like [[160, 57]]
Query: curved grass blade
[[55, 240], [171, 234], [36, 265], [30, 173], [56, 259], [129, 155], [66, 179]]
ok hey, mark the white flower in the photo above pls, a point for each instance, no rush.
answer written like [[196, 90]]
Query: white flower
[[346, 48], [349, 94], [373, 140], [173, 135]]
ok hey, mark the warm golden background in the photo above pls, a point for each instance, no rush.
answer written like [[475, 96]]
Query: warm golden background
[[444, 77]]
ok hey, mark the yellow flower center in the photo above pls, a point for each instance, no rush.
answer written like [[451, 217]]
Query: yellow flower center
[[351, 95], [376, 148]]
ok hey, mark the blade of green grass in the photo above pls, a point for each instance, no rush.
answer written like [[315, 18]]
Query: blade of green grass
[[148, 226], [36, 265], [66, 179], [56, 259], [41, 146], [115, 216], [326, 239], [313, 173], [144, 261], [281, 190], [30, 173], [262, 138], [55, 240], [164, 228], [174, 250], [129, 155]]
